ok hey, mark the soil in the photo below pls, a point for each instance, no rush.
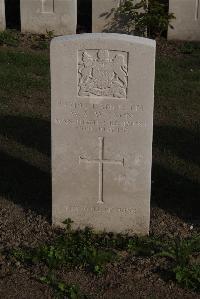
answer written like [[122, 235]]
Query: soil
[[132, 277]]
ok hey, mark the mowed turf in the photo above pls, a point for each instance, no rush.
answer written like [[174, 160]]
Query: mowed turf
[[25, 129], [25, 135]]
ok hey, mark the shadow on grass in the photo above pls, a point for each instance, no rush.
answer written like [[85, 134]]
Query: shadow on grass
[[25, 185], [21, 182], [30, 187], [182, 142], [32, 132], [171, 191], [175, 193]]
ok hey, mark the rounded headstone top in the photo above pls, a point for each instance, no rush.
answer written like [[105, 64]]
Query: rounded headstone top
[[106, 36]]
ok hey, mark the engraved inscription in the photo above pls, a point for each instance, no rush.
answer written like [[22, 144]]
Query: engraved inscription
[[101, 161], [102, 73], [105, 118], [101, 210], [47, 6]]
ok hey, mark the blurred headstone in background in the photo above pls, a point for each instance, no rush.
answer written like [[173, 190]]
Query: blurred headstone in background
[[42, 16], [102, 14], [186, 26], [2, 15]]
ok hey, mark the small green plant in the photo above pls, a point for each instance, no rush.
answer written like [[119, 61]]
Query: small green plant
[[9, 38], [185, 266], [144, 18], [188, 276], [85, 249], [49, 34], [144, 246], [41, 41], [180, 250], [62, 289], [68, 224], [75, 248]]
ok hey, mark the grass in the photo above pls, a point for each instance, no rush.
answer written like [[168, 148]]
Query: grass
[[25, 163], [22, 73], [9, 38]]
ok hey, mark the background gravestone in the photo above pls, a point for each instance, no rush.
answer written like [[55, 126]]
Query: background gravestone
[[102, 125], [187, 22], [102, 14], [2, 15], [40, 16]]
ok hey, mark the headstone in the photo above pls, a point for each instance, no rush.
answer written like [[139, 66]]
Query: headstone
[[40, 16], [103, 16], [103, 13], [102, 125], [2, 16], [187, 22]]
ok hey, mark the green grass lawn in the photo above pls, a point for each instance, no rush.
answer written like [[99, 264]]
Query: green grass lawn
[[176, 160], [25, 130]]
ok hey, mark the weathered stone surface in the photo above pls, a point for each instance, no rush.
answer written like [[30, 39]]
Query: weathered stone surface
[[102, 14], [40, 16], [187, 22], [102, 125], [2, 15]]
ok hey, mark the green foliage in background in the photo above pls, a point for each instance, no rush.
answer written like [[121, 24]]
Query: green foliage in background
[[144, 19]]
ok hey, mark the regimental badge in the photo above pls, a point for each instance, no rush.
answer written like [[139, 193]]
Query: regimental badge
[[103, 73]]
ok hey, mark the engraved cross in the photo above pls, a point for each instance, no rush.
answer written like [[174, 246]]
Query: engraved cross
[[101, 161]]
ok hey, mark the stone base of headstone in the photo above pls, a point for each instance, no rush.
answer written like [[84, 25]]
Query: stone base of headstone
[[40, 16], [187, 22]]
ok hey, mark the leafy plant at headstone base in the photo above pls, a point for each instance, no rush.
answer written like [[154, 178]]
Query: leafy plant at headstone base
[[85, 249], [62, 289], [186, 264], [41, 41], [144, 246], [76, 248], [141, 18]]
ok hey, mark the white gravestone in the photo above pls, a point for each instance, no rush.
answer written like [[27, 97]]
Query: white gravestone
[[2, 16], [102, 125], [40, 16], [103, 13], [187, 22]]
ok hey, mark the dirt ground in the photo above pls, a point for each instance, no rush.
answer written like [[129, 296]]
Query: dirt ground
[[133, 277]]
